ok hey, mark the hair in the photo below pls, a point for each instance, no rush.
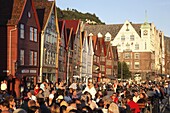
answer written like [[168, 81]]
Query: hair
[[31, 103], [63, 108], [55, 109], [5, 103], [9, 98]]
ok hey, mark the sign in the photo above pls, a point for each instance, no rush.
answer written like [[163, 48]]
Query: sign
[[25, 71], [33, 71]]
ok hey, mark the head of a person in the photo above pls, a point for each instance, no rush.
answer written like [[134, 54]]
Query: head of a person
[[113, 108], [142, 95], [60, 98], [11, 100], [90, 82], [135, 93], [5, 105], [129, 98], [31, 103], [55, 109]]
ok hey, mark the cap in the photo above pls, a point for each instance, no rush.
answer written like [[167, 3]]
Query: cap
[[60, 97]]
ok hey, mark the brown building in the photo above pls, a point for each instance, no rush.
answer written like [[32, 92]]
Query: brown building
[[62, 51], [19, 29], [49, 36], [167, 55]]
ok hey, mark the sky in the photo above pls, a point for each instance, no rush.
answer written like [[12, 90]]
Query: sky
[[118, 11]]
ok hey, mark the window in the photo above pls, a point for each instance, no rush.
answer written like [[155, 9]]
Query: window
[[35, 35], [132, 38], [102, 68], [108, 71], [137, 55], [21, 57], [109, 62], [137, 65], [127, 55], [22, 31], [128, 64], [123, 38], [127, 46], [136, 46], [31, 57], [35, 58], [31, 33], [107, 38]]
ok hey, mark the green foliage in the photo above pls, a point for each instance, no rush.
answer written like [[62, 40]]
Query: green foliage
[[125, 70], [71, 14]]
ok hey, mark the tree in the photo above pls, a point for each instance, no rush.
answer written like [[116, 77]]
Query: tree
[[125, 70]]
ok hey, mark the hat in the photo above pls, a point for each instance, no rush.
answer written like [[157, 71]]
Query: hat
[[60, 97]]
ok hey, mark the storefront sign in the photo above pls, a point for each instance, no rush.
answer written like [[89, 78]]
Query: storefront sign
[[28, 71], [33, 71], [25, 71]]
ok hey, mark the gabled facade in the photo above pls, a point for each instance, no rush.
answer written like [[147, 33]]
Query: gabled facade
[[73, 48], [84, 55], [62, 51], [141, 47], [90, 56], [19, 42], [106, 34], [49, 39]]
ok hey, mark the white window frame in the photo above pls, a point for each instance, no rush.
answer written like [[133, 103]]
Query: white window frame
[[22, 33], [22, 57], [137, 56], [136, 65], [127, 55], [35, 58], [31, 33], [31, 54], [35, 35]]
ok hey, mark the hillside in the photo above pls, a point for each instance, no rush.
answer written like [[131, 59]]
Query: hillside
[[71, 14]]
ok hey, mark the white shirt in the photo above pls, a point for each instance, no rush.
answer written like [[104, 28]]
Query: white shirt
[[135, 99], [92, 91]]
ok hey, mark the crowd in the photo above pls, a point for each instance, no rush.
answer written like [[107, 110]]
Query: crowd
[[81, 98]]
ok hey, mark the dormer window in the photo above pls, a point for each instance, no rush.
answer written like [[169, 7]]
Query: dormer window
[[108, 37]]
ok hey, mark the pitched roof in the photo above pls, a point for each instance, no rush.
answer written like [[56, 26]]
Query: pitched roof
[[72, 24], [17, 10], [137, 28], [43, 8], [103, 29]]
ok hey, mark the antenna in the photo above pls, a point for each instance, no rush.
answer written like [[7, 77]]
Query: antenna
[[146, 17]]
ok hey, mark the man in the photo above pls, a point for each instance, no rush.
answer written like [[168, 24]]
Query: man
[[90, 88], [136, 96], [133, 106]]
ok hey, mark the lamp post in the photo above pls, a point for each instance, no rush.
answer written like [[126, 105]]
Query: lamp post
[[121, 71]]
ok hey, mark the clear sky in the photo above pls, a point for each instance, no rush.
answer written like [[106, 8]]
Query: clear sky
[[117, 11]]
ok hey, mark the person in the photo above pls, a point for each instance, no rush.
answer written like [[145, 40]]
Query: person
[[36, 89], [136, 96], [31, 96], [113, 108], [115, 98], [133, 106], [90, 88], [12, 103]]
